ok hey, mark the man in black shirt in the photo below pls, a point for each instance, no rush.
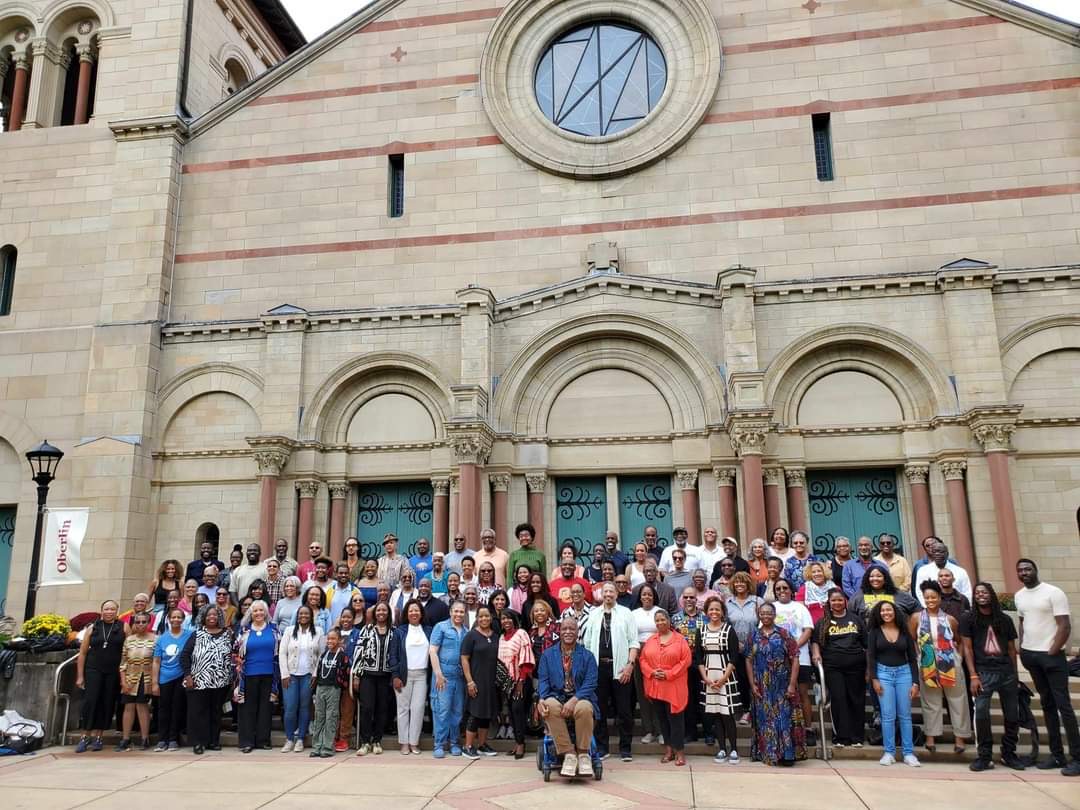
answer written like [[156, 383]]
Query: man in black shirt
[[989, 639]]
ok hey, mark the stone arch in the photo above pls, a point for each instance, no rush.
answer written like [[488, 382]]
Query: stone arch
[[1034, 339], [61, 12], [660, 354], [18, 434], [359, 380], [236, 68], [903, 366], [207, 378]]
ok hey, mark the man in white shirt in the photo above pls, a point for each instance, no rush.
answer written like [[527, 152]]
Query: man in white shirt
[[1045, 627], [247, 573], [680, 536], [711, 552], [489, 552], [939, 558]]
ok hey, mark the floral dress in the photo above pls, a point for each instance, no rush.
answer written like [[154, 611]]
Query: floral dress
[[778, 732]]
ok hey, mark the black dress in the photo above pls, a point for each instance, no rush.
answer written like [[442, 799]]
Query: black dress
[[101, 674], [483, 652]]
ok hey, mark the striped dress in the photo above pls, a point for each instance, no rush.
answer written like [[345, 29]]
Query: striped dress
[[716, 649]]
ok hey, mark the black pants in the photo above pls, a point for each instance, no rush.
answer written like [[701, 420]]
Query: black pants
[[204, 716], [255, 712], [847, 693], [672, 724], [723, 728], [171, 708], [616, 700], [376, 698], [519, 708], [692, 714], [1002, 681], [1051, 676]]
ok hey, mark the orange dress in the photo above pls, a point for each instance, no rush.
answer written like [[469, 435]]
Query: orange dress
[[673, 657]]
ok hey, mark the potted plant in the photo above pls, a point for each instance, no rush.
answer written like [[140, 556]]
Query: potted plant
[[47, 632]]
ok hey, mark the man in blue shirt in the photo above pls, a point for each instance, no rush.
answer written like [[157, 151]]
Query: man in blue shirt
[[614, 553], [447, 681], [568, 676], [420, 562], [855, 570]]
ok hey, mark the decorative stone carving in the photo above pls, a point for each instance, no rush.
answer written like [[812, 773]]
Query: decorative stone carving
[[687, 478], [774, 476], [748, 438], [953, 469], [271, 461], [536, 481], [85, 27], [339, 490], [500, 482], [795, 477], [307, 488], [86, 52], [455, 484], [441, 486], [471, 448], [994, 437], [917, 473], [725, 476]]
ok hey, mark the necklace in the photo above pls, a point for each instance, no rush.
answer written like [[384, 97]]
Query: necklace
[[324, 670], [112, 626]]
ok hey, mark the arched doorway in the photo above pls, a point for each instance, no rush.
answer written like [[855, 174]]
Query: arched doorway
[[207, 533]]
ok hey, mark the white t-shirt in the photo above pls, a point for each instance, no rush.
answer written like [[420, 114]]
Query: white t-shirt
[[416, 648], [693, 554], [794, 617], [645, 621], [784, 555], [1038, 606], [707, 560]]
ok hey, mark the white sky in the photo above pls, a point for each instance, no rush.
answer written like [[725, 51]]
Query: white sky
[[316, 16]]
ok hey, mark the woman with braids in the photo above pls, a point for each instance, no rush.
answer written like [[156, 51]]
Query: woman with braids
[[838, 644], [207, 665]]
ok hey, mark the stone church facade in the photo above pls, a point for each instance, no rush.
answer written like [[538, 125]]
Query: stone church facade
[[592, 265]]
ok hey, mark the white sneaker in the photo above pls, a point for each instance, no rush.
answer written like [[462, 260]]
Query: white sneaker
[[287, 747], [733, 758], [721, 757], [647, 739], [659, 739], [298, 746], [584, 765], [569, 766], [912, 761], [887, 759]]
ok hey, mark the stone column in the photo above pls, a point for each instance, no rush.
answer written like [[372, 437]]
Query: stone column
[[995, 438], [536, 483], [690, 502], [959, 520], [500, 508], [455, 499], [305, 533], [441, 514], [917, 475], [86, 69], [270, 461], [335, 543], [795, 477], [729, 510], [748, 441], [471, 451], [19, 92], [774, 480]]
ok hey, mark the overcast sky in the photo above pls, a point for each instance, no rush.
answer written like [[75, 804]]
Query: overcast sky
[[316, 16]]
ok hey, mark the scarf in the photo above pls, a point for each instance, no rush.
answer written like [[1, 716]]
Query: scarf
[[817, 594], [937, 656]]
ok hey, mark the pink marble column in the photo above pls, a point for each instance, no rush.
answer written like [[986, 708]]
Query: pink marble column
[[729, 509], [19, 92], [917, 476], [959, 520], [82, 97], [795, 478], [305, 531], [335, 544], [774, 481], [441, 514], [753, 497], [270, 461], [688, 480], [500, 508], [536, 483]]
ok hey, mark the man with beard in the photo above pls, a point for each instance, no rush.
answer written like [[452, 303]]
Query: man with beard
[[241, 578]]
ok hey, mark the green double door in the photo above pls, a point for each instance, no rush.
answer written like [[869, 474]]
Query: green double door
[[581, 511], [403, 508], [852, 503], [7, 547]]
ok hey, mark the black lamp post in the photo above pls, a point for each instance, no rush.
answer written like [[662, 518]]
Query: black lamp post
[[44, 459]]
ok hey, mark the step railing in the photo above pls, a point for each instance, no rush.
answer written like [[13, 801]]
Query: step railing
[[54, 705]]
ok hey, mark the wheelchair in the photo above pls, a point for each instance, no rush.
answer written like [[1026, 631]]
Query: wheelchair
[[547, 761]]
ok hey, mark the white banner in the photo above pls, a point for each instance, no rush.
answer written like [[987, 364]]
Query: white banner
[[64, 533]]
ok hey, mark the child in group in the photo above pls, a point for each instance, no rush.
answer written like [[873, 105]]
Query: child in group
[[331, 675]]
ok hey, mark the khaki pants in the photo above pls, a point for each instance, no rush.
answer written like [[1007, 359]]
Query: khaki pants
[[327, 699], [934, 711], [346, 717], [583, 726]]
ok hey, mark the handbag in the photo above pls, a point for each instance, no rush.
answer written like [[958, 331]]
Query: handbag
[[504, 684]]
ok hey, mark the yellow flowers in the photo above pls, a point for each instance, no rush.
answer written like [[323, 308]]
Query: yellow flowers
[[48, 624]]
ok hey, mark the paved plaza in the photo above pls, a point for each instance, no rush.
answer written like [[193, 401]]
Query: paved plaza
[[57, 779]]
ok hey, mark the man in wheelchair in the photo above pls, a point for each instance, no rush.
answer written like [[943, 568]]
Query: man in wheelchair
[[568, 690]]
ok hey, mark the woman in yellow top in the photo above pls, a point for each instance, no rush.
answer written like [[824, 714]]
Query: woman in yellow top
[[136, 677]]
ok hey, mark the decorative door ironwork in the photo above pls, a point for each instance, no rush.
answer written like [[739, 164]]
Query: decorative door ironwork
[[7, 547], [580, 514], [405, 509], [644, 501], [852, 503]]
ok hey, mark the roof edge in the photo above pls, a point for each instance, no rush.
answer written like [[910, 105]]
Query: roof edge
[[283, 70], [1028, 17]]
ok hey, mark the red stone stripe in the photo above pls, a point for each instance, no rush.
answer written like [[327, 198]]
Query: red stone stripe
[[1037, 86], [431, 19], [650, 223], [395, 148], [366, 89], [870, 33]]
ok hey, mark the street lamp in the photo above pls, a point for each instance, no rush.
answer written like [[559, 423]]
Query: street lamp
[[44, 459]]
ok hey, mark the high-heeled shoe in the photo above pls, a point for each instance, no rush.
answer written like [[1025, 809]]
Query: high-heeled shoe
[[519, 754]]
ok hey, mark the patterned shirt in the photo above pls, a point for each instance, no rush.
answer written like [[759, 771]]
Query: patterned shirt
[[689, 627]]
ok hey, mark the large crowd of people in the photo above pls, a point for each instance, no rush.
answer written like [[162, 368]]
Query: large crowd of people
[[495, 645]]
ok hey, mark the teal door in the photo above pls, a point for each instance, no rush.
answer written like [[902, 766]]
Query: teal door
[[852, 503], [580, 514], [644, 500], [404, 508], [7, 545]]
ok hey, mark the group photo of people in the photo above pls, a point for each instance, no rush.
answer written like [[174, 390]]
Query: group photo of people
[[604, 652]]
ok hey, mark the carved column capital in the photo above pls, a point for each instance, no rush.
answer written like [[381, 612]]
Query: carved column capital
[[917, 473], [536, 481], [471, 448], [86, 52], [455, 484], [308, 488], [795, 476], [339, 490], [995, 437], [725, 476], [441, 487], [687, 479], [21, 60], [953, 469], [748, 438], [500, 482], [774, 476], [271, 461]]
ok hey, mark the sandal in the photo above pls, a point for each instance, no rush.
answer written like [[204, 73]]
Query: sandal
[[931, 747], [667, 757], [959, 749], [680, 760]]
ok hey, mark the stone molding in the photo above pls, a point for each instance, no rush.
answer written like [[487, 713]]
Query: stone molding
[[795, 476], [917, 473], [308, 488], [500, 482], [953, 469], [440, 487], [688, 479], [685, 31], [339, 490], [159, 126], [455, 484], [993, 426], [471, 447], [536, 482]]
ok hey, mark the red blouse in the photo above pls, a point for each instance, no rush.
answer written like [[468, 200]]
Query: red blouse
[[673, 657]]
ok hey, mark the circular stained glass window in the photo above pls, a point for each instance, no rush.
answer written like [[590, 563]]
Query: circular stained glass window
[[600, 79]]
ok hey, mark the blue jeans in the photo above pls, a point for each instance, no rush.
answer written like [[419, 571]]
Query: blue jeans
[[447, 706], [895, 705], [297, 707]]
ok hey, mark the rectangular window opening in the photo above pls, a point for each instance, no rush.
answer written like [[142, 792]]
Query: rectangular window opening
[[8, 258], [396, 185], [823, 156]]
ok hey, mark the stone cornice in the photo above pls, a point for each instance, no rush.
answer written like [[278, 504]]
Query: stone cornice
[[159, 126], [1028, 18], [253, 31]]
